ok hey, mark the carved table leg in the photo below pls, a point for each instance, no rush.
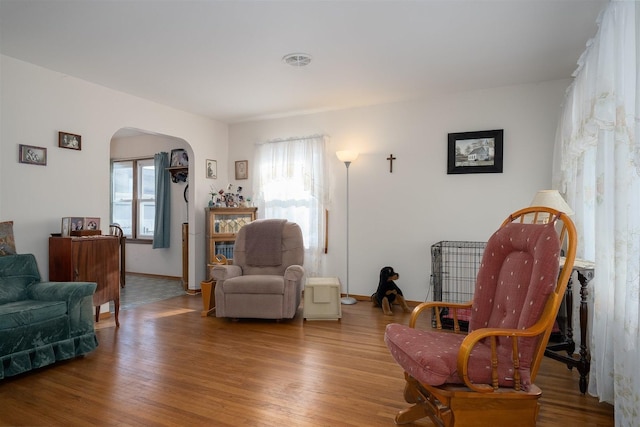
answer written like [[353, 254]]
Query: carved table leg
[[584, 276], [585, 272], [569, 343]]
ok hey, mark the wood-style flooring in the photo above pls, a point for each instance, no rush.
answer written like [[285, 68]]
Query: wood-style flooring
[[168, 366]]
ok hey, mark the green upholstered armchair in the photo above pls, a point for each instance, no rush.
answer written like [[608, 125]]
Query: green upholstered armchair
[[41, 322]]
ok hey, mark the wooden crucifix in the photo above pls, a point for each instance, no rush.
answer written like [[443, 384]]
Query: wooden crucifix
[[391, 159]]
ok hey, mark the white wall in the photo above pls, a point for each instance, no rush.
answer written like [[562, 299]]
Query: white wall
[[37, 103], [396, 217]]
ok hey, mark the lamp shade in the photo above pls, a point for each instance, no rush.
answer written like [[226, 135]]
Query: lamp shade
[[347, 156], [551, 199]]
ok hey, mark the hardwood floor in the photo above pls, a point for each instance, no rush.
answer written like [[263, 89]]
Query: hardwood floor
[[168, 366]]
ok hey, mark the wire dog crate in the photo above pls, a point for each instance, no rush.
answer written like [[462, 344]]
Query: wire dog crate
[[454, 267]]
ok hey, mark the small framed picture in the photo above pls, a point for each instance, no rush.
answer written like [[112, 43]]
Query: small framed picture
[[92, 223], [69, 140], [66, 227], [32, 155], [179, 157], [242, 169], [77, 224], [212, 169], [475, 152]]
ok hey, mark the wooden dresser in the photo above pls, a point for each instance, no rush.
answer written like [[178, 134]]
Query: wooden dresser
[[88, 259]]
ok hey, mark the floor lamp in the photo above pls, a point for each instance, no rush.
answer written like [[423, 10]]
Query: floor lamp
[[347, 157]]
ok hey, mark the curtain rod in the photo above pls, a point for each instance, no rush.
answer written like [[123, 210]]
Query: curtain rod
[[126, 159], [293, 138]]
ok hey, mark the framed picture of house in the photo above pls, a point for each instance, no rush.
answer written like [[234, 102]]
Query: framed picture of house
[[242, 169], [69, 140], [32, 155], [475, 152]]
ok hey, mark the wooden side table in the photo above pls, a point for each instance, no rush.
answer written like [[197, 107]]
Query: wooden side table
[[322, 299], [584, 271]]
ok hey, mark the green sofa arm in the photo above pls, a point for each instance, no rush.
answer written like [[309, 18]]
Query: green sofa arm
[[79, 299], [60, 291]]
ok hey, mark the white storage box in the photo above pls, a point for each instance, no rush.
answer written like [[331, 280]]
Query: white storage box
[[322, 299]]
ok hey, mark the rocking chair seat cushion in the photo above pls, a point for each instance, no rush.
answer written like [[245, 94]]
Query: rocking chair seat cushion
[[431, 357]]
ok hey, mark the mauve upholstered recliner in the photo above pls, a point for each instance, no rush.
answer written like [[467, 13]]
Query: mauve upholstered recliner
[[265, 280]]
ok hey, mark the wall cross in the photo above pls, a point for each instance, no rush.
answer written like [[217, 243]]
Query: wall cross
[[391, 159]]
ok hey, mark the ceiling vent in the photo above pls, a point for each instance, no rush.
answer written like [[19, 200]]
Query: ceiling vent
[[297, 59]]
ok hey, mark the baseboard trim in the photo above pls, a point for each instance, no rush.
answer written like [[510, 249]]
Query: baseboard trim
[[155, 276], [368, 299]]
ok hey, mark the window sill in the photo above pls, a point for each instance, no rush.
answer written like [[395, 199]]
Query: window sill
[[140, 241]]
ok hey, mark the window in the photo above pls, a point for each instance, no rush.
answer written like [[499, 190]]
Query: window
[[133, 203], [291, 184]]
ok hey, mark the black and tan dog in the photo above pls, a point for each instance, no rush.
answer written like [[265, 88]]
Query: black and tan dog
[[388, 292]]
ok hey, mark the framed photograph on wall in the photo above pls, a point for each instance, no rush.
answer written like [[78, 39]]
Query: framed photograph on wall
[[32, 155], [211, 168], [475, 152], [242, 169], [69, 140]]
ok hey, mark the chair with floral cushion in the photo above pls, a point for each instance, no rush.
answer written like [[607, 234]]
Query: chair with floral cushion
[[486, 377]]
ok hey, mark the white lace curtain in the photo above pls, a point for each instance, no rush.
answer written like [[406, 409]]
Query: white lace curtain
[[290, 182], [597, 165]]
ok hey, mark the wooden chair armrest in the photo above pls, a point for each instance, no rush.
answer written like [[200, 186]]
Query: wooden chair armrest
[[478, 335], [437, 307]]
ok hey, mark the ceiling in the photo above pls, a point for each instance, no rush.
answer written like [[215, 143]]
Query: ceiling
[[223, 59]]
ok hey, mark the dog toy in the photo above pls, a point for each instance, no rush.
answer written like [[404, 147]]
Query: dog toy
[[388, 293]]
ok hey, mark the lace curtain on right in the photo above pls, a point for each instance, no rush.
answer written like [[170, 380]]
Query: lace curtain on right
[[597, 166]]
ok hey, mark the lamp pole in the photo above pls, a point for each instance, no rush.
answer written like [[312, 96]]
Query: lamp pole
[[347, 157]]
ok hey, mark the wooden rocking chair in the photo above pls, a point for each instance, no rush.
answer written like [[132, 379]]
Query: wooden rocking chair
[[485, 377]]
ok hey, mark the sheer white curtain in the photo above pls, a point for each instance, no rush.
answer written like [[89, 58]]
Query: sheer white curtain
[[597, 164], [290, 182]]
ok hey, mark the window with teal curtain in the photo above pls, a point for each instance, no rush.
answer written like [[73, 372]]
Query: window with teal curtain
[[162, 223], [133, 195]]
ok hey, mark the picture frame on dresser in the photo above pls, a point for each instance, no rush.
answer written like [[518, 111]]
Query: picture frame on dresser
[[77, 223], [92, 223], [475, 152], [65, 228]]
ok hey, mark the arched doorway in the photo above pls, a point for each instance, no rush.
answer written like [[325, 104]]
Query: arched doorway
[[128, 144]]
